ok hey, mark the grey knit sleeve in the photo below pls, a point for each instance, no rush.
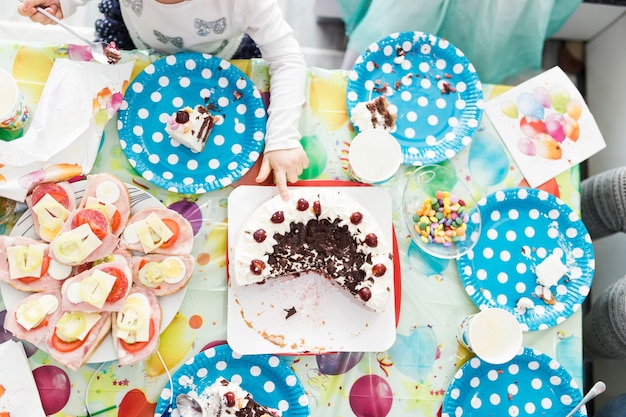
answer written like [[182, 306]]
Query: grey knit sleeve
[[603, 202]]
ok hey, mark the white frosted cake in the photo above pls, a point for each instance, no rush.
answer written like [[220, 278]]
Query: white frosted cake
[[226, 398], [191, 127], [321, 231]]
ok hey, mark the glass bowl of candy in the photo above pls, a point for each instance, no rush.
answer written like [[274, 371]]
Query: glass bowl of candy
[[440, 212]]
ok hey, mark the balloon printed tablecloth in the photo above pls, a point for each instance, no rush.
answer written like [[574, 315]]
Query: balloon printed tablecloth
[[409, 378]]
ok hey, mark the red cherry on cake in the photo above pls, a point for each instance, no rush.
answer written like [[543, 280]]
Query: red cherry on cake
[[229, 399], [182, 117], [278, 217], [317, 208], [356, 217], [259, 235], [365, 293], [371, 240], [257, 266], [302, 205], [379, 270]]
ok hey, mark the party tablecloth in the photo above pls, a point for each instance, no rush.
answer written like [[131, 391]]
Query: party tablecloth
[[410, 378]]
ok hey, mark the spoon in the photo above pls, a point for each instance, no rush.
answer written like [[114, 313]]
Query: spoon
[[97, 48], [188, 406], [597, 389]]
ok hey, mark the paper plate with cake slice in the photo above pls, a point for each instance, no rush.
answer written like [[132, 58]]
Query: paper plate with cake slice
[[218, 141], [313, 274], [270, 381], [534, 258], [420, 88]]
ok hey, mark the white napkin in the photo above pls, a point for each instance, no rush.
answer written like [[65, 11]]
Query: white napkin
[[79, 98], [20, 397]]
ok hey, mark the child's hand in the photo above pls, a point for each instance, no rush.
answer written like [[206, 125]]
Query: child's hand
[[287, 165], [28, 8]]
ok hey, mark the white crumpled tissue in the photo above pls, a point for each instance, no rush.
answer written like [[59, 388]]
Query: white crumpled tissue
[[62, 141]]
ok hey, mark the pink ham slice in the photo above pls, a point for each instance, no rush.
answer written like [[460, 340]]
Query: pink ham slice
[[68, 305], [78, 357], [163, 288], [128, 358], [70, 206], [122, 204], [44, 283], [184, 240], [109, 243], [37, 334]]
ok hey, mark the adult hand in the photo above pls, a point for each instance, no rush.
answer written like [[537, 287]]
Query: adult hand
[[287, 165], [28, 8]]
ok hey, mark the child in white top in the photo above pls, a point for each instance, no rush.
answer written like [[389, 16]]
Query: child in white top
[[217, 27]]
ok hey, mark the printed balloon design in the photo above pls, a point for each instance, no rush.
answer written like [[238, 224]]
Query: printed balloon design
[[54, 389], [548, 119], [190, 211], [414, 355], [338, 363], [371, 396]]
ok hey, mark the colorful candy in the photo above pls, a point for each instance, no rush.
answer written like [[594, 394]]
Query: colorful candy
[[442, 219]]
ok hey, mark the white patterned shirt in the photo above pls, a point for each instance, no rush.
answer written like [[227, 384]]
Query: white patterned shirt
[[216, 27]]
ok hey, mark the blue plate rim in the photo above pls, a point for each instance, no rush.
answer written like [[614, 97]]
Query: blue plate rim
[[540, 199], [149, 79], [445, 148], [223, 352]]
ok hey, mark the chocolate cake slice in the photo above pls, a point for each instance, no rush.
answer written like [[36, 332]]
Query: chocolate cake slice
[[225, 398]]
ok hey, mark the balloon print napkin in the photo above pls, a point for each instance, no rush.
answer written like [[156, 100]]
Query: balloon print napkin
[[546, 125], [78, 100]]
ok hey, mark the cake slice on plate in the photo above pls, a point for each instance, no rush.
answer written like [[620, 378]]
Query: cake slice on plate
[[226, 398], [191, 127]]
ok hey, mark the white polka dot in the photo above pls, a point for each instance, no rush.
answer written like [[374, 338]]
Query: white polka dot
[[494, 399], [220, 365], [476, 403], [511, 235], [513, 411], [219, 140], [503, 277], [422, 101], [495, 215], [520, 287], [529, 231], [521, 268], [513, 369], [163, 81], [137, 87], [505, 256], [222, 82], [241, 108], [502, 299], [488, 253], [455, 393], [172, 159], [546, 403], [409, 133], [177, 102], [433, 120], [555, 380], [536, 383], [566, 399], [529, 408], [475, 382], [512, 389], [533, 214], [154, 158], [192, 164], [156, 97], [184, 82], [214, 163], [223, 102]]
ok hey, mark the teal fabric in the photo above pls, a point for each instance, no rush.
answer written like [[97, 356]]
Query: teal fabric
[[502, 38]]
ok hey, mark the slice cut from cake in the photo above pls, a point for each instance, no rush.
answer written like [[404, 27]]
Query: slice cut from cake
[[226, 398], [191, 127], [323, 231], [373, 114]]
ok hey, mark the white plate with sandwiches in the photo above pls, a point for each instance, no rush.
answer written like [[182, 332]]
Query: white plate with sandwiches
[[169, 304]]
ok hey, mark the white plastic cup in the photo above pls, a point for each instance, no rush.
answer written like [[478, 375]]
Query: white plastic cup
[[374, 156], [493, 334], [14, 112]]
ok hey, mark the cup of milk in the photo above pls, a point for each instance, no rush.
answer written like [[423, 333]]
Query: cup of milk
[[493, 334], [14, 112]]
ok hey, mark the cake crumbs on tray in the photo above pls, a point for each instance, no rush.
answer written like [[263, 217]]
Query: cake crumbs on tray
[[290, 312]]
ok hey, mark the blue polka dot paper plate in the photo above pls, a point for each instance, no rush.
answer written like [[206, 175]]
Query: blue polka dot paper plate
[[270, 380], [432, 88], [520, 228], [189, 79], [531, 384]]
